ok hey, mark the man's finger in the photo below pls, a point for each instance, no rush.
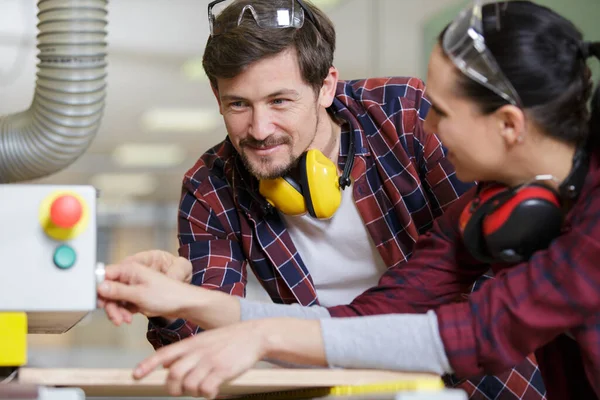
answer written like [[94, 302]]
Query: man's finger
[[118, 272], [145, 258], [132, 308], [100, 303], [111, 290], [175, 272], [113, 314], [125, 314], [156, 260]]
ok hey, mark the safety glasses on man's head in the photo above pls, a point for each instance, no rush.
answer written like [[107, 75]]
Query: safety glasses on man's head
[[267, 14], [464, 43]]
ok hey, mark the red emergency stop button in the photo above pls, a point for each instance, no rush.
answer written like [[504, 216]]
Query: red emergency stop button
[[66, 211], [64, 215]]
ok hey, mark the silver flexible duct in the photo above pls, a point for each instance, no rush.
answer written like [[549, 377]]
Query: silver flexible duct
[[69, 95]]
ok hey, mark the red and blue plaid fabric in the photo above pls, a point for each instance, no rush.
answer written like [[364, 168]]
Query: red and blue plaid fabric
[[402, 182], [523, 382]]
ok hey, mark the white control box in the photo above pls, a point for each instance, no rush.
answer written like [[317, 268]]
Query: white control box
[[48, 253]]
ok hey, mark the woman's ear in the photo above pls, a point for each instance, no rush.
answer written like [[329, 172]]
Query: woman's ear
[[511, 124]]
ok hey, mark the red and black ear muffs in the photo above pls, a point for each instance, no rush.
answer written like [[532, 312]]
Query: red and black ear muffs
[[503, 224], [509, 224]]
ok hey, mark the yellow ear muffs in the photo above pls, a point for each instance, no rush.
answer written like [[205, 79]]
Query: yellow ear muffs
[[317, 193], [320, 184], [284, 194]]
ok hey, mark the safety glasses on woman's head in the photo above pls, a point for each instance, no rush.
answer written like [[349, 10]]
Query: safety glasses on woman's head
[[464, 43], [267, 14]]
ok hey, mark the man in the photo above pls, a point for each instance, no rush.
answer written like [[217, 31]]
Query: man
[[270, 64]]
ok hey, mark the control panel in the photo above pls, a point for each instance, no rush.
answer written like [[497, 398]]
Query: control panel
[[48, 253]]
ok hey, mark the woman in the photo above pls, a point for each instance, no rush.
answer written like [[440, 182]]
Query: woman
[[509, 88]]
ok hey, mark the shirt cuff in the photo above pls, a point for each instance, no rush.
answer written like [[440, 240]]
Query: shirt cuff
[[250, 310], [161, 323], [456, 327]]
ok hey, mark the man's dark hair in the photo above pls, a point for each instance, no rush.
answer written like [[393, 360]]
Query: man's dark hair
[[227, 55]]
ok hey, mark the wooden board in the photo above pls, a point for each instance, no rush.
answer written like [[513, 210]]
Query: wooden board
[[119, 382]]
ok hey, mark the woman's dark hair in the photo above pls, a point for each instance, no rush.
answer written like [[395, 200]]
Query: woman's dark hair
[[544, 57]]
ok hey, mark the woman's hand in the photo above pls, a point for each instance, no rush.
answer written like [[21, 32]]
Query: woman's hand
[[200, 364]]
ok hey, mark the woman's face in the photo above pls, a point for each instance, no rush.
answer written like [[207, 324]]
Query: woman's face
[[474, 141]]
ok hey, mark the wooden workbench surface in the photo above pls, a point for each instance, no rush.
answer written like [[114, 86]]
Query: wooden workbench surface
[[119, 382]]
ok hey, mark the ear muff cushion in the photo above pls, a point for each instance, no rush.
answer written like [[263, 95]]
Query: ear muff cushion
[[320, 186], [533, 224], [473, 239], [472, 217], [283, 194], [509, 225], [523, 196], [524, 223], [304, 185]]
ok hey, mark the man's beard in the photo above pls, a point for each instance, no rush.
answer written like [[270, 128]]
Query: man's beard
[[262, 174], [279, 171]]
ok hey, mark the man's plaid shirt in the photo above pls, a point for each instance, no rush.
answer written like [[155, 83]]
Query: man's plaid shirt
[[402, 182]]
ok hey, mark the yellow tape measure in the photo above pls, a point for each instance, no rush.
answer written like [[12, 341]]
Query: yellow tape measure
[[409, 385]]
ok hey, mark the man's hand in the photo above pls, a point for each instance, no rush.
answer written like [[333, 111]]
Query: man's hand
[[200, 364], [131, 287], [164, 262], [177, 268]]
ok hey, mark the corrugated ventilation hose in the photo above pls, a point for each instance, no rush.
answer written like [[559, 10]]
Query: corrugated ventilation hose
[[69, 95]]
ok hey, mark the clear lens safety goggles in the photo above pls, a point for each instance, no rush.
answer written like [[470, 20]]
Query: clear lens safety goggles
[[268, 15], [464, 43]]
